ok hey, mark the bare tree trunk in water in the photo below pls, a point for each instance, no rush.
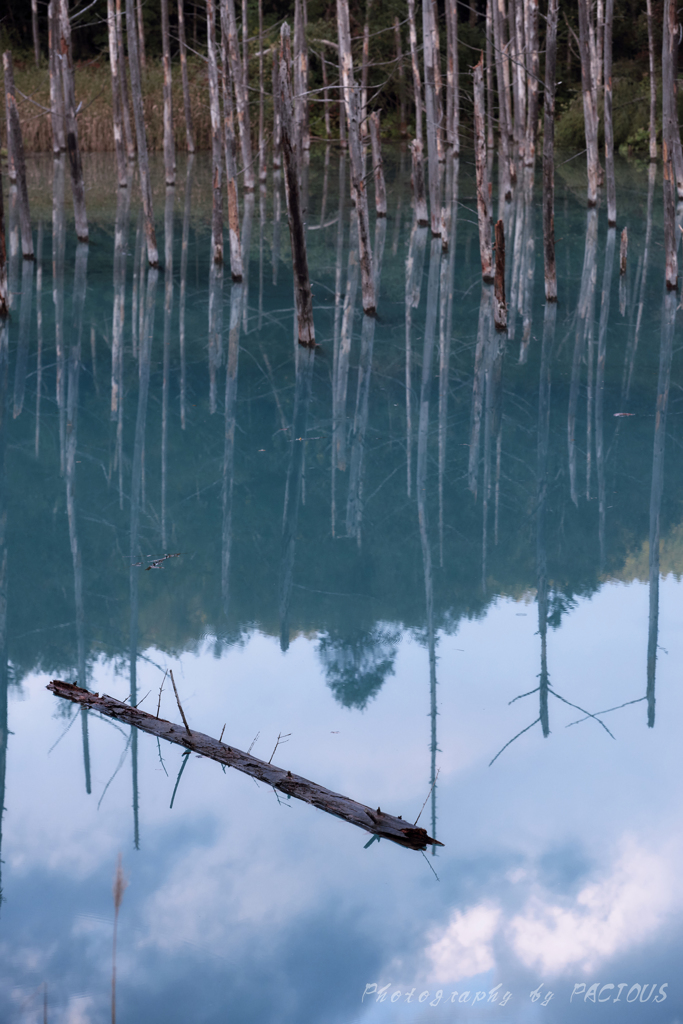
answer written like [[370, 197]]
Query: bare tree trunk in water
[[483, 213], [127, 128], [590, 112], [499, 306], [34, 26], [141, 36], [4, 298], [359, 195], [56, 92], [377, 166], [239, 79], [365, 70], [73, 149], [533, 67], [669, 122], [169, 140], [15, 156], [262, 166], [277, 160], [418, 183], [114, 63], [141, 134], [401, 78], [609, 131], [489, 75], [653, 82], [216, 136], [452, 78], [432, 119], [236, 261], [302, 284], [503, 124], [187, 105], [417, 87], [550, 268]]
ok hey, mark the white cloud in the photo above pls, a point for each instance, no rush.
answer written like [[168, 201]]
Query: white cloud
[[78, 1010], [626, 907], [465, 948]]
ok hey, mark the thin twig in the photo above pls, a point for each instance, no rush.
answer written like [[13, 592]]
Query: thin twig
[[579, 708], [180, 707], [428, 796], [160, 692], [253, 742], [220, 738], [519, 697], [430, 865], [160, 757], [579, 720], [280, 738], [514, 738], [186, 756]]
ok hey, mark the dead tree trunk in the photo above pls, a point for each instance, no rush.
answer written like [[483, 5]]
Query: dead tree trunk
[[114, 64], [298, 76], [452, 78], [418, 182], [141, 135], [169, 141], [378, 823], [378, 166], [216, 136], [500, 318], [359, 195], [516, 21], [503, 124], [127, 128], [15, 156], [549, 154], [4, 297], [34, 26], [262, 166], [236, 261], [365, 70], [302, 283], [483, 214], [653, 82], [187, 105], [277, 160], [623, 252], [590, 112], [239, 80], [669, 41], [417, 86], [532, 66], [56, 93], [141, 36], [432, 118], [490, 141], [609, 130], [401, 78], [72, 147]]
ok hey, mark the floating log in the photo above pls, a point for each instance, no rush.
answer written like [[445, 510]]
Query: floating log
[[377, 822]]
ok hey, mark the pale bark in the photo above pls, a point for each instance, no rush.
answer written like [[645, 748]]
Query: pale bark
[[516, 18], [358, 192], [499, 305], [216, 136], [417, 179], [432, 116], [138, 18], [128, 132], [669, 127], [114, 63], [187, 106], [4, 298], [590, 112], [236, 261], [483, 212], [36, 37], [277, 157], [72, 147], [56, 93], [298, 77], [263, 169], [550, 269], [653, 82], [490, 142], [15, 156], [452, 78], [326, 95], [609, 130], [401, 78], [184, 253], [532, 66], [302, 283], [378, 166], [505, 190], [365, 70], [169, 140], [417, 86], [239, 80], [141, 134]]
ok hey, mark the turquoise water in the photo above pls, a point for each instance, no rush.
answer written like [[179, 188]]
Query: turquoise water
[[376, 550]]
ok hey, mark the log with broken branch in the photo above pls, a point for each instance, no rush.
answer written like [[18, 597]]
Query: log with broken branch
[[377, 822]]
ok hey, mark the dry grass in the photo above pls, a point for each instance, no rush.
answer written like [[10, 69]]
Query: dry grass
[[93, 90]]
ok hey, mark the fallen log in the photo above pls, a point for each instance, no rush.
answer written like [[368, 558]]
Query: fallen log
[[378, 823]]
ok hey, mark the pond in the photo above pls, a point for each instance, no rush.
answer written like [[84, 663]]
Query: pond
[[433, 567]]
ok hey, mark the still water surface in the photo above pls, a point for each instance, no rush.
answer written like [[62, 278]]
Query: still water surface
[[379, 547]]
